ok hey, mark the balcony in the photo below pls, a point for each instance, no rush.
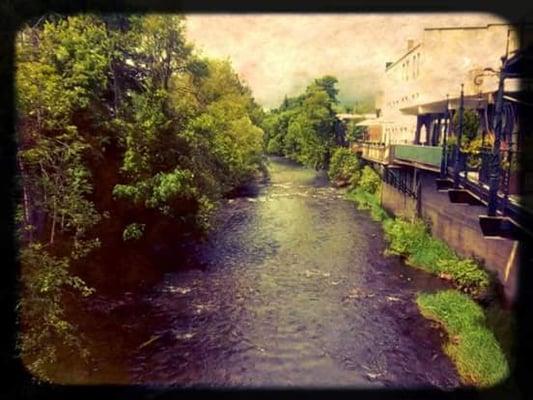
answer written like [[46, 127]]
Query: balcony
[[426, 157], [375, 152]]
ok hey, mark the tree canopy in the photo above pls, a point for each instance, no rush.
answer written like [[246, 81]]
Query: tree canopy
[[303, 128], [120, 125]]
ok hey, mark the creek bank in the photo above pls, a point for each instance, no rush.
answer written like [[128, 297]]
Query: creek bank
[[473, 347]]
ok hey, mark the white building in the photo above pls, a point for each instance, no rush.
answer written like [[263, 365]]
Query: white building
[[416, 85]]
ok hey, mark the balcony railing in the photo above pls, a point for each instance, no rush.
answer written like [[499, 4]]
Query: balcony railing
[[376, 152], [474, 167], [425, 155]]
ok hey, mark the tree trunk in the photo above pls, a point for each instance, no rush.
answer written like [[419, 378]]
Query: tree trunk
[[54, 218], [25, 202]]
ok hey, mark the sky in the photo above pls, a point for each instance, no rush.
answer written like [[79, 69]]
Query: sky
[[280, 54]]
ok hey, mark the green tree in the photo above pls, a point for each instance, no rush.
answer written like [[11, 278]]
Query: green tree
[[303, 128], [124, 101]]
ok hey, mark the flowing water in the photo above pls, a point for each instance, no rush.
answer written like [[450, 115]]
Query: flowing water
[[290, 289]]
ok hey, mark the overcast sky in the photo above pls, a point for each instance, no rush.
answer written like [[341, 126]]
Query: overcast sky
[[278, 54]]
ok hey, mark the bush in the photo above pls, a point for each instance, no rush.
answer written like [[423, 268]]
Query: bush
[[413, 240], [344, 167], [133, 231], [370, 181], [275, 146], [471, 345], [44, 328], [368, 201]]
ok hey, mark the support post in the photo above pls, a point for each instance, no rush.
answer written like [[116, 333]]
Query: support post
[[494, 167], [417, 132], [457, 149], [444, 159]]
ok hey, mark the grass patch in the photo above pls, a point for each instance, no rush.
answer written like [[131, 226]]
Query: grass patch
[[368, 201], [472, 347]]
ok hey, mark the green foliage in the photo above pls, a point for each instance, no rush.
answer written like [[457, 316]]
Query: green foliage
[[354, 132], [126, 93], [41, 310], [344, 166], [412, 239], [471, 124], [368, 201], [471, 345], [133, 232], [370, 181], [303, 127]]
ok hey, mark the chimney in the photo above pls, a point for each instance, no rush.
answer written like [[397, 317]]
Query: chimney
[[410, 44]]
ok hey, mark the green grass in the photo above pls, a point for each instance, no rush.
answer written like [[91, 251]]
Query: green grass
[[413, 240], [472, 347], [368, 201]]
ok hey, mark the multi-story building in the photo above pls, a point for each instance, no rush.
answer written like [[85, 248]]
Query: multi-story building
[[416, 85], [421, 92]]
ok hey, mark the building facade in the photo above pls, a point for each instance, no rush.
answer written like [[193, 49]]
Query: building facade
[[417, 84]]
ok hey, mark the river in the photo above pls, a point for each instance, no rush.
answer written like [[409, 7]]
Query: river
[[291, 288]]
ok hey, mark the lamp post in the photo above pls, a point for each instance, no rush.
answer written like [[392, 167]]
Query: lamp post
[[457, 150]]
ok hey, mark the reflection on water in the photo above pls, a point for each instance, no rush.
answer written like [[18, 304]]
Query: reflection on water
[[293, 289]]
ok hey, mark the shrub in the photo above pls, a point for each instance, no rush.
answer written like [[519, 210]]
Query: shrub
[[344, 166], [43, 323], [413, 240], [370, 181], [368, 201], [133, 232]]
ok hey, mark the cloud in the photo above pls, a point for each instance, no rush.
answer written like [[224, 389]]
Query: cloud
[[279, 54]]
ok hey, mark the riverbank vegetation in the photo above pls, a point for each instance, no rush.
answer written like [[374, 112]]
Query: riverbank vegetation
[[344, 169], [479, 341], [125, 134], [413, 241], [471, 345]]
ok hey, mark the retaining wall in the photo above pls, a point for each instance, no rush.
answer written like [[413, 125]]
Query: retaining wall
[[458, 226]]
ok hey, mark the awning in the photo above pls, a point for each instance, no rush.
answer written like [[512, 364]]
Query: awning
[[471, 102], [439, 106]]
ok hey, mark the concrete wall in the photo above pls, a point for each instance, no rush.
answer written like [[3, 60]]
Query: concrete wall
[[458, 226], [397, 203]]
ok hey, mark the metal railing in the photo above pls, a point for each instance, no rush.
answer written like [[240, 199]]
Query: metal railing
[[474, 169], [401, 182]]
